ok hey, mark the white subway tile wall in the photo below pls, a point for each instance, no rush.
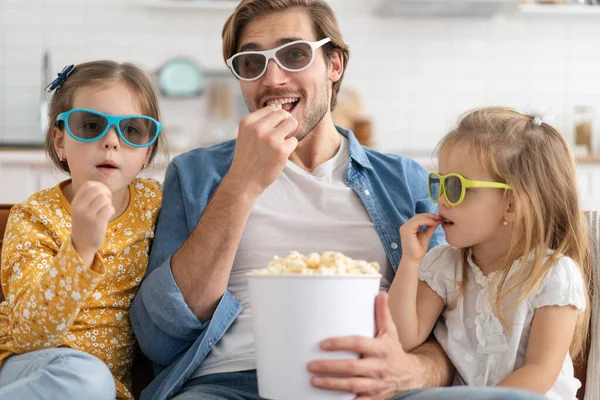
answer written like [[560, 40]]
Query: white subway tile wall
[[415, 76]]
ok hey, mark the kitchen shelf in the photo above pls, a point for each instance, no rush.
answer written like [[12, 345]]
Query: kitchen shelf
[[205, 5], [444, 8], [559, 10]]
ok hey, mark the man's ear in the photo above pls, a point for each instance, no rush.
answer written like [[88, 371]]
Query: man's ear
[[336, 65]]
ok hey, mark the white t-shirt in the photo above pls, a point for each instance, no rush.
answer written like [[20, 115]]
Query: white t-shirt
[[475, 340], [304, 211]]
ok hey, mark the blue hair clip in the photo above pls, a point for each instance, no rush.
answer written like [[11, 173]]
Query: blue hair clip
[[62, 76]]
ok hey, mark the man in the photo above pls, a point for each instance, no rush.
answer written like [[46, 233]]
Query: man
[[291, 181]]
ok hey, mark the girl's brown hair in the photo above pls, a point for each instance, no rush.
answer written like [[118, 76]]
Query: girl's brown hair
[[535, 160], [101, 74], [325, 25]]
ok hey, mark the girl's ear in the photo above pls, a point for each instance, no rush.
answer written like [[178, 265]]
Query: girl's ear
[[59, 143], [148, 155], [510, 212]]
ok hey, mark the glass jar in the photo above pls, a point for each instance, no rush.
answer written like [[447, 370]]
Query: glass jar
[[583, 119]]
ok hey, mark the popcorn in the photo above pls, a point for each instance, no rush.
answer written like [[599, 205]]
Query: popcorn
[[328, 263]]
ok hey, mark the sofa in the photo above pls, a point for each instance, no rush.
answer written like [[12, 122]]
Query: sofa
[[587, 371]]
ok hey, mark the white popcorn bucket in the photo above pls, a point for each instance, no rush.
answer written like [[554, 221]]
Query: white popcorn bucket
[[292, 314]]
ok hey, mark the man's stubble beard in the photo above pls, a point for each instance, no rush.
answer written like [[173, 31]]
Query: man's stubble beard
[[313, 115]]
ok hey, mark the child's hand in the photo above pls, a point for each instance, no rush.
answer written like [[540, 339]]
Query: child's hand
[[91, 209], [414, 242]]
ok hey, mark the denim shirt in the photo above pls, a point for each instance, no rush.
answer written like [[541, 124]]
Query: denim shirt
[[392, 188]]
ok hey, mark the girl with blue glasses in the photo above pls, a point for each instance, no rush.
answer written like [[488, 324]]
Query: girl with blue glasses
[[74, 255]]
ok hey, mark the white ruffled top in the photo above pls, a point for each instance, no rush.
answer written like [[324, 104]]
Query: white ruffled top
[[483, 352]]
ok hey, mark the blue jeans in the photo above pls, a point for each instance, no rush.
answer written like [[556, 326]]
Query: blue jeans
[[244, 386], [60, 373]]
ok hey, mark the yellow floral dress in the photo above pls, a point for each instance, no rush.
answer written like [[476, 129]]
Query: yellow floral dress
[[54, 300]]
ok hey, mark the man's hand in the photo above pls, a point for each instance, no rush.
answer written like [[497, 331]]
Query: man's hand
[[384, 369], [202, 265], [263, 146]]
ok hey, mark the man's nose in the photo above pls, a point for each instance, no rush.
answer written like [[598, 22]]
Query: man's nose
[[274, 75]]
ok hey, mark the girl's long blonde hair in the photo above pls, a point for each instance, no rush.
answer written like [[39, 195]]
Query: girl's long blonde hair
[[535, 160]]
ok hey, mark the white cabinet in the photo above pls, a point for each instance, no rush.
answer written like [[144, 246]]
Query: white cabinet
[[588, 181], [16, 183], [23, 173]]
